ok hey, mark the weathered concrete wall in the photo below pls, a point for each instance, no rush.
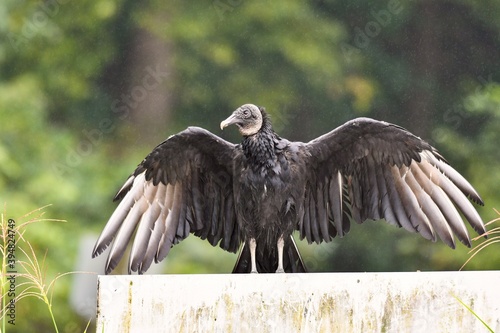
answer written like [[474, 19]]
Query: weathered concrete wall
[[313, 302]]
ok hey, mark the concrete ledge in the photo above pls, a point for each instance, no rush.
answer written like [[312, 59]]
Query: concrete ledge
[[313, 302]]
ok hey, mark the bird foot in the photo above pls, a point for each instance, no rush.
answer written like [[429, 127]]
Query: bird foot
[[254, 272], [280, 270]]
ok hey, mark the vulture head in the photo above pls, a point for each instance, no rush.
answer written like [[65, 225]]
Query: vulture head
[[247, 117]]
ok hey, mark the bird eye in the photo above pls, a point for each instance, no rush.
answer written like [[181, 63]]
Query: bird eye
[[246, 113]]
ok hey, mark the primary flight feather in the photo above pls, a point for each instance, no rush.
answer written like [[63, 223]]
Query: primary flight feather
[[258, 192]]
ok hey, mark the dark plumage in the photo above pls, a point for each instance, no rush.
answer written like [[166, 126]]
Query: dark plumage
[[261, 190]]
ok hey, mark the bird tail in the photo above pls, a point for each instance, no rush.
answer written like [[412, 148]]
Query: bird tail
[[267, 261]]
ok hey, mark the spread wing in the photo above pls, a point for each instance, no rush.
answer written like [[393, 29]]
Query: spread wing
[[183, 186], [380, 170]]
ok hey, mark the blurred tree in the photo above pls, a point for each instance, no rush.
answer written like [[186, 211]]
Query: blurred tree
[[424, 61], [419, 54]]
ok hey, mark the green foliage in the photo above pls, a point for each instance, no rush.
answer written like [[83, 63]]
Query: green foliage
[[23, 272], [42, 163], [284, 57]]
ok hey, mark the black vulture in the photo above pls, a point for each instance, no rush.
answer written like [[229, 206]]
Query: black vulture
[[258, 192]]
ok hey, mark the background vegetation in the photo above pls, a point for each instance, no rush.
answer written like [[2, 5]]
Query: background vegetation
[[88, 88]]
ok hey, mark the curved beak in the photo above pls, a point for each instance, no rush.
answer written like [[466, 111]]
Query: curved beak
[[232, 119]]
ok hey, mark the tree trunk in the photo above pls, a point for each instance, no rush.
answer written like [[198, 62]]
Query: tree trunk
[[150, 72], [424, 57]]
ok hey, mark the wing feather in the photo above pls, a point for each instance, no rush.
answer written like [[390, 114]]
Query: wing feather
[[145, 227], [430, 209], [229, 222], [322, 211], [158, 231], [460, 201], [125, 233], [168, 238], [115, 221], [444, 203], [181, 187], [335, 201], [313, 218], [397, 204], [390, 174], [373, 196], [197, 201], [307, 221], [455, 177], [418, 219], [385, 205], [355, 195]]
